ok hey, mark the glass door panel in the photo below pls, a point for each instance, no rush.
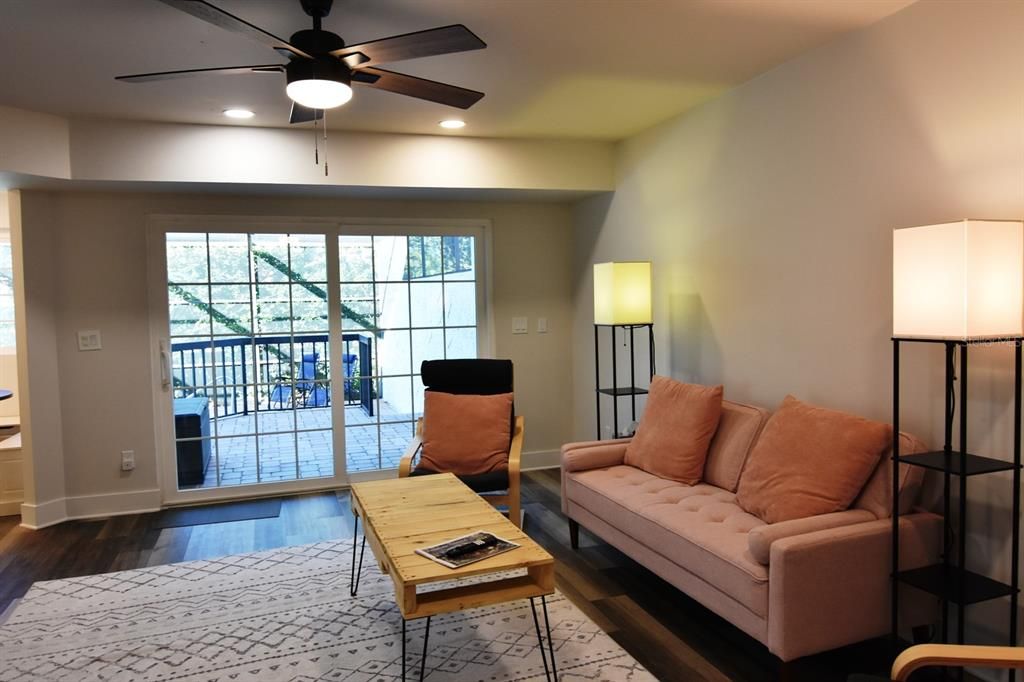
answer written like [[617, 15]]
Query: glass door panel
[[249, 358], [404, 299]]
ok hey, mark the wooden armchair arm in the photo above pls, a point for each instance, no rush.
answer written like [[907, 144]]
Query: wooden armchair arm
[[515, 451], [955, 656], [405, 465]]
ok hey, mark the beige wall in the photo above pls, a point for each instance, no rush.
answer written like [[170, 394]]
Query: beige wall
[[95, 261], [768, 215]]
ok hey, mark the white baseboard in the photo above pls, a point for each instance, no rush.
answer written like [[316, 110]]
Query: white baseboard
[[44, 514], [10, 508], [114, 504], [90, 507], [540, 459], [37, 516]]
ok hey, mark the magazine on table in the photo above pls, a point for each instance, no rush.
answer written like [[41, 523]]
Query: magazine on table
[[467, 549]]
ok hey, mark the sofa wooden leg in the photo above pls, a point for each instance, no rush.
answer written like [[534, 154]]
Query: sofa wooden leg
[[574, 534]]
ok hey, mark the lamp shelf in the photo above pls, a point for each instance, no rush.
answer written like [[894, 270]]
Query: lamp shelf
[[946, 581], [939, 461], [623, 390]]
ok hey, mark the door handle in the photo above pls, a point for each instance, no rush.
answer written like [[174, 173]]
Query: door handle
[[165, 365]]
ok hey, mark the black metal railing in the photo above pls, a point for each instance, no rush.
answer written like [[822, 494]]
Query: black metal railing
[[251, 374]]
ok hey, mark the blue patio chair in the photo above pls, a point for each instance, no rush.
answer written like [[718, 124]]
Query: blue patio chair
[[351, 388], [309, 392]]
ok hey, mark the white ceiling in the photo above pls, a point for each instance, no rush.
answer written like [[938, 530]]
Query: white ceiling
[[601, 69]]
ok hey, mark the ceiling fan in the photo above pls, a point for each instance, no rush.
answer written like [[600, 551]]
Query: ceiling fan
[[321, 67]]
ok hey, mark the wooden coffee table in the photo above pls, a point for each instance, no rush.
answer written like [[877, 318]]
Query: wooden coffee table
[[401, 515]]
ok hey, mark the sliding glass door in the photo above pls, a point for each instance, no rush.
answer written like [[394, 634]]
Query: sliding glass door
[[289, 358]]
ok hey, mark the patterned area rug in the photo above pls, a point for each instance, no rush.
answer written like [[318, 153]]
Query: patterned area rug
[[281, 615]]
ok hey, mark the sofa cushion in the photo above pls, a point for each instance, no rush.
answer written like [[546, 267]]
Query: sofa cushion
[[810, 460], [676, 429], [877, 494], [700, 527], [738, 429]]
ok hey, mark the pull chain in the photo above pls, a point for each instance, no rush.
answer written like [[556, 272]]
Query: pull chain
[[316, 142], [325, 144]]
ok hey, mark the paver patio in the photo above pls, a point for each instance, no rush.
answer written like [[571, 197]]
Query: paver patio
[[298, 444]]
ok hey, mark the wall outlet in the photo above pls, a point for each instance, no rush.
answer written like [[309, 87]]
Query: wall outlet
[[520, 325], [127, 460]]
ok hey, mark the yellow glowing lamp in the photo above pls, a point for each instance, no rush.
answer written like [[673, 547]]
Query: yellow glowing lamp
[[622, 293], [962, 280]]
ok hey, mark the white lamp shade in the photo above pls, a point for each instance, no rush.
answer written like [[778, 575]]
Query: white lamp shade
[[622, 293], [962, 280]]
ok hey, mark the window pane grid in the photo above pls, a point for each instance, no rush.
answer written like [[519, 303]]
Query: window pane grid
[[250, 332], [419, 304]]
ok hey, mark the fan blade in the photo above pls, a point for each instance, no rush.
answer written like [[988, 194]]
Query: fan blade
[[229, 22], [185, 73], [301, 114], [420, 88], [434, 41]]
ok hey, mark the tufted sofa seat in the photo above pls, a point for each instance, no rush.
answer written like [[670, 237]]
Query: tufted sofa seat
[[701, 526], [800, 586]]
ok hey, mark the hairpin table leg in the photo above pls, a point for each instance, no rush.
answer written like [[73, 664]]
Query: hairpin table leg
[[551, 644], [540, 639], [426, 637], [353, 580]]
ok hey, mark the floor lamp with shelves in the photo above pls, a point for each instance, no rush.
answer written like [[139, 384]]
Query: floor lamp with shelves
[[622, 304], [960, 285], [615, 391]]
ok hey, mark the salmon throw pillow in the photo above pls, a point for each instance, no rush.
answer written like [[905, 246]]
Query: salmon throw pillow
[[466, 434], [676, 429], [808, 461]]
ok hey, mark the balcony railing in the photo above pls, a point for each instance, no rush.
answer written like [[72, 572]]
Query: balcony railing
[[245, 374]]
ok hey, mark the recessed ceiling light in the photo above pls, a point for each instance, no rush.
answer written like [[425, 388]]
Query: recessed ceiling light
[[238, 113], [452, 124]]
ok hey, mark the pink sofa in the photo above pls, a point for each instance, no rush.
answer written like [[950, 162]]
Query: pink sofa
[[801, 586]]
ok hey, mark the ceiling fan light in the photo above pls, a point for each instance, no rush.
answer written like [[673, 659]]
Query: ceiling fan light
[[318, 83], [317, 93]]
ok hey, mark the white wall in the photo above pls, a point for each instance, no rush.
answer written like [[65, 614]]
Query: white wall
[[93, 261], [135, 151], [11, 465], [34, 143], [91, 151], [39, 400], [768, 215]]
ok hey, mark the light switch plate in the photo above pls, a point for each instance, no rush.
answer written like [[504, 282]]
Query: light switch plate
[[520, 325], [89, 339], [542, 325]]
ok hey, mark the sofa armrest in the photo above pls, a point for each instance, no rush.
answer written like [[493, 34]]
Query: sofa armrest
[[593, 455], [760, 539], [832, 587], [591, 443]]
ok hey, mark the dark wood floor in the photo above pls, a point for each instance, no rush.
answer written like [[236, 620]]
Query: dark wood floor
[[676, 638]]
